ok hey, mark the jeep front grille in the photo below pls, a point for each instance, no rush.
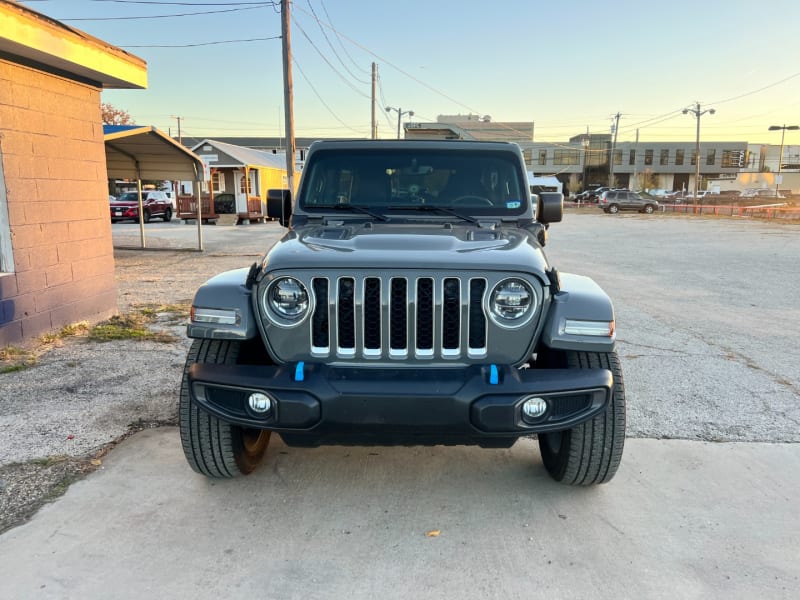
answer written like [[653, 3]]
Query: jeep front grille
[[399, 317]]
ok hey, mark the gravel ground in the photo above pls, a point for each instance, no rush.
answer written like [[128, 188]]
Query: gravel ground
[[61, 416], [706, 312]]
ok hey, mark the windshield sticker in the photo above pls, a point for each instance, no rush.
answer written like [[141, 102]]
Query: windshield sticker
[[513, 204]]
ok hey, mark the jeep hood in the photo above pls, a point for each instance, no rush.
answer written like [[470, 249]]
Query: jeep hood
[[407, 246]]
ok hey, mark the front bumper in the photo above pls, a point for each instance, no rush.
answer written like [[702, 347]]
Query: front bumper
[[316, 404]]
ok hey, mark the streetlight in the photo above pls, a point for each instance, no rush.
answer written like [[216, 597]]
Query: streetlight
[[400, 112], [585, 145], [783, 129], [697, 113]]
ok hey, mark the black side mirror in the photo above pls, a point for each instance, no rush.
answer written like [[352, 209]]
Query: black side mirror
[[551, 207], [279, 205]]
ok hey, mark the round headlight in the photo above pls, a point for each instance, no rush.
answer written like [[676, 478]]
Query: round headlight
[[511, 301], [288, 298]]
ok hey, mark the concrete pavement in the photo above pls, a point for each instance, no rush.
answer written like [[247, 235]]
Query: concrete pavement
[[681, 520]]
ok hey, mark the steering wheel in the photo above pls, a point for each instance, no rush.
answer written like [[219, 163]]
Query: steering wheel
[[471, 200]]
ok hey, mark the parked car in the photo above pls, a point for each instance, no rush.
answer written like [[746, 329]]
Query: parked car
[[154, 204], [700, 194], [761, 193], [591, 195], [616, 200]]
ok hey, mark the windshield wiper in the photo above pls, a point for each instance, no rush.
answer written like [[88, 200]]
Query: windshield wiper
[[361, 209], [440, 209]]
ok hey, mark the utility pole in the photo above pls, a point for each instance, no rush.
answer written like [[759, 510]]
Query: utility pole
[[613, 149], [180, 137], [374, 101], [288, 94], [697, 114], [635, 150]]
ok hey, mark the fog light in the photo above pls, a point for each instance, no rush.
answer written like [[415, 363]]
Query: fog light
[[260, 403], [533, 408]]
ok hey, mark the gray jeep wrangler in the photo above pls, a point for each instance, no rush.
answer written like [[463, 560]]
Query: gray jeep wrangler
[[410, 302]]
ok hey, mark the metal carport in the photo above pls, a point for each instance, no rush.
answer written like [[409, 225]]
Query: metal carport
[[145, 153]]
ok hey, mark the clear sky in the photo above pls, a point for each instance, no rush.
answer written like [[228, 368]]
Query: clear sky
[[566, 65]]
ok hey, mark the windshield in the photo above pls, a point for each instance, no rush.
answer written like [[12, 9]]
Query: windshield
[[485, 183]]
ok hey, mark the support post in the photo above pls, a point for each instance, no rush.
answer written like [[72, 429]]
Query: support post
[[200, 216], [141, 212]]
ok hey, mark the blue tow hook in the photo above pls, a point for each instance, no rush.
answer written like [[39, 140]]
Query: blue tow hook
[[299, 374], [494, 375]]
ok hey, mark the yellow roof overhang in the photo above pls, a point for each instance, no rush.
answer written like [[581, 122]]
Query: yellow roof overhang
[[36, 37]]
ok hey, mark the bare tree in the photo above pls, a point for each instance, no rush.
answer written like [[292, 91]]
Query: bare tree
[[114, 116]]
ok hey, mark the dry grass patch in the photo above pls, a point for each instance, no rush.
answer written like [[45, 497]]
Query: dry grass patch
[[13, 358], [132, 326], [128, 327]]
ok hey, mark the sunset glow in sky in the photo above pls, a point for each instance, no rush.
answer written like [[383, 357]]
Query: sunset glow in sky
[[565, 65]]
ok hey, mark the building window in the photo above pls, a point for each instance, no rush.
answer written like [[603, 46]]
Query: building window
[[648, 157], [632, 158], [218, 181], [244, 185], [679, 157], [617, 157], [694, 157], [732, 159], [664, 158], [711, 157], [254, 182], [566, 157], [542, 157]]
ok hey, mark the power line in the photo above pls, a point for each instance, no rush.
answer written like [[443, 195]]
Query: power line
[[322, 55], [205, 12], [339, 39], [336, 54], [412, 77], [766, 87], [384, 103], [274, 37], [325, 104], [153, 2]]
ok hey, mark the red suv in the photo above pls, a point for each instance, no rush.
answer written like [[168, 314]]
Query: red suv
[[154, 204]]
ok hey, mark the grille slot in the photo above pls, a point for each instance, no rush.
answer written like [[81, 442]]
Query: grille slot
[[451, 317], [477, 320], [346, 316], [399, 317], [320, 336], [425, 316], [372, 315]]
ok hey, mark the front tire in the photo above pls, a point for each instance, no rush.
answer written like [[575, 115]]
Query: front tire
[[212, 447], [146, 216], [649, 209], [589, 453], [168, 215]]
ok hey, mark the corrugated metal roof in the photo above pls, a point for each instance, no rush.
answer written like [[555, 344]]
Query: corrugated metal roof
[[246, 156], [146, 153]]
